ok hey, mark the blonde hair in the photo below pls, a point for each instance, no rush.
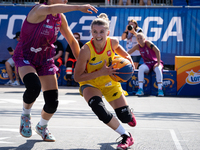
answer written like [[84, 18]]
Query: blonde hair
[[102, 19], [141, 34]]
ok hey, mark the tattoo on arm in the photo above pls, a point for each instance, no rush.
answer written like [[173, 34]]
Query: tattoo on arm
[[151, 46]]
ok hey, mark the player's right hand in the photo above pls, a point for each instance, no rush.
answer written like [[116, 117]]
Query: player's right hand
[[87, 8]]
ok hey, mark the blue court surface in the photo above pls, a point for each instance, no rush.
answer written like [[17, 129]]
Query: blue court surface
[[163, 123]]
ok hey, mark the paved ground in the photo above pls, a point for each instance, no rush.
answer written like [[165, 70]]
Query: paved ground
[[168, 123]]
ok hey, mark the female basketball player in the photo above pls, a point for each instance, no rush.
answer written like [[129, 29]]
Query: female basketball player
[[152, 61], [92, 72], [34, 58]]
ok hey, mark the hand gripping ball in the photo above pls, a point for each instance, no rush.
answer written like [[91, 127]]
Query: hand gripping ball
[[125, 69]]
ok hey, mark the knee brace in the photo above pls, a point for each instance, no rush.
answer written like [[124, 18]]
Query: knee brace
[[124, 114], [51, 101], [99, 109], [33, 87]]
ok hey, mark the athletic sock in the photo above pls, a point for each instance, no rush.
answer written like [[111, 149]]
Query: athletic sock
[[26, 111], [140, 85], [121, 130], [160, 86], [43, 122]]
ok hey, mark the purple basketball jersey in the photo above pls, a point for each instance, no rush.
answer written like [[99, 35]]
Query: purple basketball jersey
[[35, 46], [149, 56]]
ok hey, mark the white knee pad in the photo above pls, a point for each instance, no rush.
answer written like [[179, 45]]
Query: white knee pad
[[159, 75], [142, 69]]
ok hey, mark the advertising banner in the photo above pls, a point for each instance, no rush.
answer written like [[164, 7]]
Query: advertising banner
[[175, 31], [169, 83], [188, 75], [132, 84], [4, 75]]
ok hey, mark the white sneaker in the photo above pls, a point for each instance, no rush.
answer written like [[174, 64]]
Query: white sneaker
[[9, 82], [16, 83]]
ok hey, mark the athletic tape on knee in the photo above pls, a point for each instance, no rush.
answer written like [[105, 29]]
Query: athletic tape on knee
[[99, 109], [51, 101], [124, 114], [33, 87]]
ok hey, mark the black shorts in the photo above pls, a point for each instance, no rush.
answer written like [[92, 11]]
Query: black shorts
[[136, 58]]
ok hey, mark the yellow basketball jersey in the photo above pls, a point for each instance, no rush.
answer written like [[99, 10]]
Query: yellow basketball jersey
[[97, 60], [110, 89]]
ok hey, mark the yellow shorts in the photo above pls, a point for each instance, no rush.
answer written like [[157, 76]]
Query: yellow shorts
[[110, 89]]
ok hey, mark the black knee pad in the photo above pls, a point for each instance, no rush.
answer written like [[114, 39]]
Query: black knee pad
[[51, 101], [99, 109], [124, 114], [33, 87]]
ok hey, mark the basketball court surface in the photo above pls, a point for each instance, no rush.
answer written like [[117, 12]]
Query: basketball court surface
[[163, 123]]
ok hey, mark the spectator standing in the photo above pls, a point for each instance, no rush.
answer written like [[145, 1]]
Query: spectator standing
[[130, 34], [70, 62], [10, 64], [152, 61]]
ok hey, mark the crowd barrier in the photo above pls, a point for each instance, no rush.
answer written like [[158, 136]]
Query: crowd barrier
[[61, 78], [150, 84], [184, 81], [4, 76]]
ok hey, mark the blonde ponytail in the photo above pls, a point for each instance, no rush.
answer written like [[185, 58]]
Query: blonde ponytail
[[102, 19]]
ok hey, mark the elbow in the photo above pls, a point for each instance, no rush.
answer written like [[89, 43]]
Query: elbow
[[76, 78]]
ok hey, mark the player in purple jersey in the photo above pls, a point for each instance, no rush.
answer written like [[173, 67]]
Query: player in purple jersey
[[152, 61], [33, 57]]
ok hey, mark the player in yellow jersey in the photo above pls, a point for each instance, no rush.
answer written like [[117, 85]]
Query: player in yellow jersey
[[92, 72]]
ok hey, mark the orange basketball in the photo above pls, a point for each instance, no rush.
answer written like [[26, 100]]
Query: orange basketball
[[125, 69]]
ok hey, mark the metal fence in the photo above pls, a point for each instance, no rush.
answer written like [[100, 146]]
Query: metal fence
[[136, 2], [103, 2]]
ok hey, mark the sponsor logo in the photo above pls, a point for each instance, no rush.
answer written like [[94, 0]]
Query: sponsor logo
[[51, 69], [26, 61], [91, 101], [45, 32], [108, 84], [93, 59], [4, 74], [109, 52], [167, 82], [58, 23], [115, 94], [49, 59], [48, 26], [134, 82], [35, 49], [193, 77], [123, 110], [93, 64]]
